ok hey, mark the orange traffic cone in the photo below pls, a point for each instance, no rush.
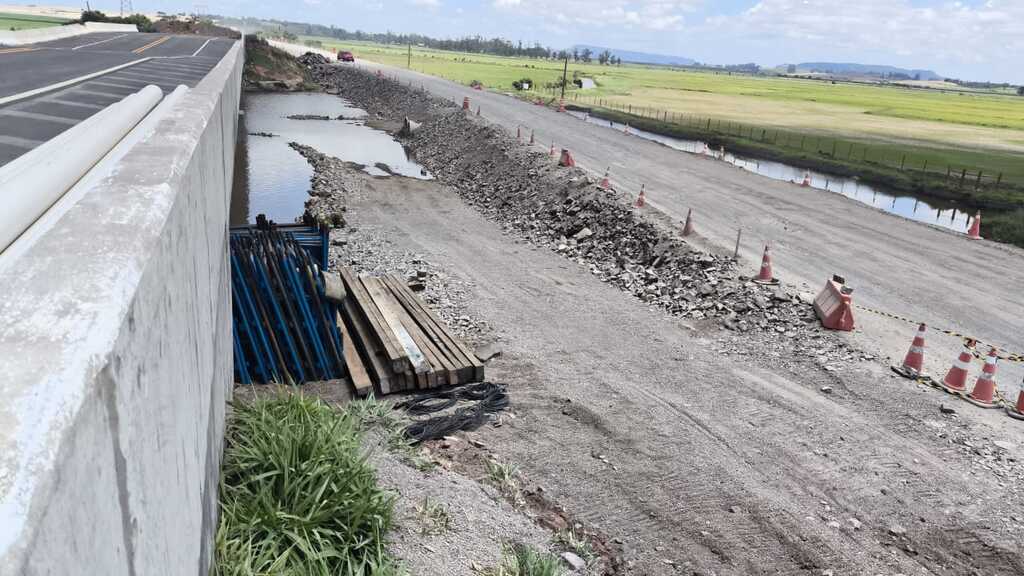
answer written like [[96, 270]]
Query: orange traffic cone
[[704, 151], [956, 378], [532, 141], [604, 181], [913, 362], [688, 226], [807, 180], [561, 105], [985, 387], [552, 152], [1018, 410], [974, 233], [465, 103], [641, 200], [721, 152], [566, 159], [626, 129], [765, 276]]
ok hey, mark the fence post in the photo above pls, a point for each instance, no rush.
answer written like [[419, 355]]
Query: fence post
[[999, 179], [925, 168], [903, 162]]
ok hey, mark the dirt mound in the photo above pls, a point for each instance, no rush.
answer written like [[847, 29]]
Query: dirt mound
[[378, 95], [198, 27]]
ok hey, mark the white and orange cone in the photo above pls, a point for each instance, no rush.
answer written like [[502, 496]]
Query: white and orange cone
[[605, 183], [913, 362], [807, 180], [985, 387], [641, 200], [956, 378], [465, 103], [566, 159], [974, 232], [688, 226], [552, 152], [561, 105], [1017, 411], [765, 275]]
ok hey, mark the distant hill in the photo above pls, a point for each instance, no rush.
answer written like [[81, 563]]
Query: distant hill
[[864, 70], [638, 57]]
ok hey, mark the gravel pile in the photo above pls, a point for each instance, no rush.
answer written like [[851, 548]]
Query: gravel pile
[[378, 96], [312, 59], [331, 184], [564, 209]]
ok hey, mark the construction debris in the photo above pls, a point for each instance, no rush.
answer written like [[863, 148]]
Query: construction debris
[[283, 320], [401, 344]]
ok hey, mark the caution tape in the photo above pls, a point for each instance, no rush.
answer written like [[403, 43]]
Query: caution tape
[[969, 341]]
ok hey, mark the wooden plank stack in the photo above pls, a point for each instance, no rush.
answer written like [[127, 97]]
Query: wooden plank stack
[[393, 342]]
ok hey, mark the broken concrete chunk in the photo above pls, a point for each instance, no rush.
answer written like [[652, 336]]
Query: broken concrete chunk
[[573, 561], [487, 351]]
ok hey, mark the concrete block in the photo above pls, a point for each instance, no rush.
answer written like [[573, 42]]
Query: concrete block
[[115, 345]]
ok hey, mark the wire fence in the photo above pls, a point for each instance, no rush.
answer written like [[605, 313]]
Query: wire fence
[[830, 147]]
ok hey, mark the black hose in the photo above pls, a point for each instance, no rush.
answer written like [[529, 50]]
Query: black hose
[[489, 398]]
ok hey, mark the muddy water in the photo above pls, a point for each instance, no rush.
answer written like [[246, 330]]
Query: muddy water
[[273, 179], [921, 210]]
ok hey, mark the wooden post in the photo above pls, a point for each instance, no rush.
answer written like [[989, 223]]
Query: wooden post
[[736, 253], [833, 147], [903, 162], [925, 167]]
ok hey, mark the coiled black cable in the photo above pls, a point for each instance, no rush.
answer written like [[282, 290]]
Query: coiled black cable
[[489, 398]]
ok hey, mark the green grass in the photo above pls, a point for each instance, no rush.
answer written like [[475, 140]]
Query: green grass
[[297, 494], [433, 517], [9, 21], [523, 560], [935, 129]]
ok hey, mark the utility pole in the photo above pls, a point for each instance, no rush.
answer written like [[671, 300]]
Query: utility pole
[[565, 70], [408, 60]]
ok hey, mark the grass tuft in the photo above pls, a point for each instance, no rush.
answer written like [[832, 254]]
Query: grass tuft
[[297, 494], [433, 516], [523, 560]]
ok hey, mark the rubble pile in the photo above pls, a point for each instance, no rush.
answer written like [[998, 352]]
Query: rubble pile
[[312, 59], [332, 182], [379, 96], [566, 210], [563, 208]]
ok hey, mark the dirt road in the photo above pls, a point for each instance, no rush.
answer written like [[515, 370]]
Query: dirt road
[[699, 457], [913, 270], [705, 451]]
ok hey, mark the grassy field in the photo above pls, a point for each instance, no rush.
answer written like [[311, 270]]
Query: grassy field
[[965, 146], [25, 21]]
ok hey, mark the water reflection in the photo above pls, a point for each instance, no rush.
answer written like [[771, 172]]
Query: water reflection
[[921, 210], [273, 179]]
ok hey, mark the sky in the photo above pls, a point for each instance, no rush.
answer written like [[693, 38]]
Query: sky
[[970, 39]]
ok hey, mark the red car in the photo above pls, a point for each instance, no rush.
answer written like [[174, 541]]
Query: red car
[[345, 56]]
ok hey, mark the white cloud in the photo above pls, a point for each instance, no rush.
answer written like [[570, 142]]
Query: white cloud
[[945, 32], [432, 4], [642, 14]]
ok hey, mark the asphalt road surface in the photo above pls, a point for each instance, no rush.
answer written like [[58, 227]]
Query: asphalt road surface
[[124, 63], [910, 269]]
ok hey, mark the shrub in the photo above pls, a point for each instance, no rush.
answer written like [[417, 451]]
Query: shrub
[[297, 495]]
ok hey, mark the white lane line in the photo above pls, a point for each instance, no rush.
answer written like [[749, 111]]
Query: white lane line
[[99, 42], [19, 142], [58, 85], [54, 100], [41, 117], [201, 47]]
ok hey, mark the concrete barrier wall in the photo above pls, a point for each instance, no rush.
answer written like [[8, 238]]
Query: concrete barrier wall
[[116, 355], [21, 37]]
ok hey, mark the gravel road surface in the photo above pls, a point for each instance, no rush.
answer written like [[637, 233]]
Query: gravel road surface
[[906, 268]]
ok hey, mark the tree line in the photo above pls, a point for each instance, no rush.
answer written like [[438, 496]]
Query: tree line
[[473, 44]]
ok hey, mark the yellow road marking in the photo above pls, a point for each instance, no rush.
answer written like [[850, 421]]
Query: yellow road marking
[[17, 50], [152, 44]]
